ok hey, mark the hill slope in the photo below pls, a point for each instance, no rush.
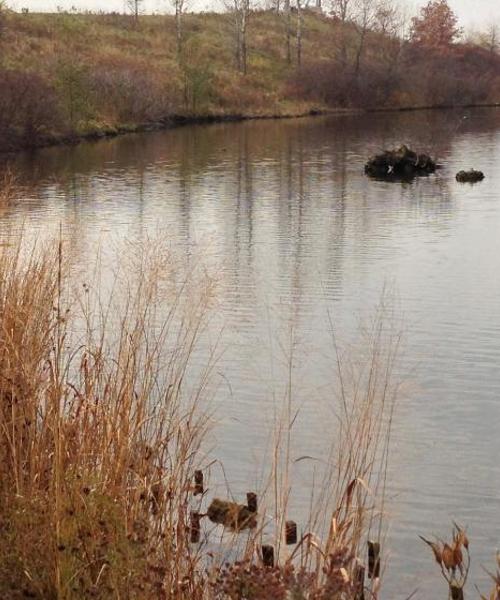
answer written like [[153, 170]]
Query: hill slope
[[66, 75]]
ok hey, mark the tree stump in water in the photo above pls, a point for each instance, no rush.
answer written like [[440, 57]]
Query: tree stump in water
[[471, 176], [401, 164]]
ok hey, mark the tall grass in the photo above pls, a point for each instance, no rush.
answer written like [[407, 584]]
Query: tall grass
[[8, 187], [347, 504], [98, 443], [103, 418]]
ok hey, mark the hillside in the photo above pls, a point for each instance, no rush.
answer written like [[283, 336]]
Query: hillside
[[68, 75]]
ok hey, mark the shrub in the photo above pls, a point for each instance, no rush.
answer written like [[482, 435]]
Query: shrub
[[416, 75], [73, 89], [29, 108], [131, 93]]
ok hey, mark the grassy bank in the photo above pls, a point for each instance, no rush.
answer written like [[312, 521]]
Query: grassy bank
[[64, 77]]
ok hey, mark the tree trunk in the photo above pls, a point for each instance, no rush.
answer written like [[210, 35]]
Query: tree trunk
[[243, 39], [178, 29], [359, 53], [288, 19], [299, 33]]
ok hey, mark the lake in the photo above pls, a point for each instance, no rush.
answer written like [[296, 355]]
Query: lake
[[299, 236]]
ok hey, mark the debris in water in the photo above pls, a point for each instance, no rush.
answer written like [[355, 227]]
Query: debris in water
[[471, 176], [402, 163], [230, 514]]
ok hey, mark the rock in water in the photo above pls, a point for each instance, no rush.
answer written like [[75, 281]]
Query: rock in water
[[232, 515], [471, 176], [402, 163]]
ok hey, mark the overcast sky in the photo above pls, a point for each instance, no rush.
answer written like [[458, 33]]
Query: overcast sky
[[472, 13]]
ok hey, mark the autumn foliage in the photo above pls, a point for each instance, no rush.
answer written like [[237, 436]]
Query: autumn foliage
[[436, 26], [67, 75]]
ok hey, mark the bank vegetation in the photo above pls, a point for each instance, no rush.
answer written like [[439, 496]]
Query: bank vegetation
[[67, 75]]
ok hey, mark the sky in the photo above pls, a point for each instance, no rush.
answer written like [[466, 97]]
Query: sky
[[471, 13]]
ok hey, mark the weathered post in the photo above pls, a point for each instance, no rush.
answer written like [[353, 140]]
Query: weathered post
[[373, 559], [268, 556], [359, 581], [252, 502], [290, 532], [195, 529], [198, 483]]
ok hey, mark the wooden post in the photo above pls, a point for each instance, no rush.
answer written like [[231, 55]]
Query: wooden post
[[268, 556], [252, 502], [195, 529], [290, 532], [373, 559], [359, 581], [198, 483]]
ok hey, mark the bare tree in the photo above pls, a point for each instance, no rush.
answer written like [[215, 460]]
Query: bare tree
[[299, 32], [274, 5], [488, 39], [388, 18], [179, 7], [135, 7], [364, 20], [3, 11], [288, 28], [343, 11], [240, 10], [493, 38]]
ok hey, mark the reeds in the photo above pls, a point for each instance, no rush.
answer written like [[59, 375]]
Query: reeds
[[495, 591], [8, 187], [103, 417], [98, 439], [347, 508]]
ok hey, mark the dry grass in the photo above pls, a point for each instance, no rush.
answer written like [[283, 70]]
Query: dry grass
[[347, 507], [103, 417], [98, 443], [8, 187], [128, 73]]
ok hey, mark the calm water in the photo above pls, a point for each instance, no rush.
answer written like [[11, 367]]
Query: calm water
[[298, 232]]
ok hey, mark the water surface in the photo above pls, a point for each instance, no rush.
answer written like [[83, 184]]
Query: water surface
[[297, 233]]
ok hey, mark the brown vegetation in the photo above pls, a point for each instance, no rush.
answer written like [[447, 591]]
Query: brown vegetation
[[68, 75], [102, 425], [8, 187], [405, 76]]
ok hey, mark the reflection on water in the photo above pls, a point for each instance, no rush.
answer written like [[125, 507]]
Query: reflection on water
[[297, 233]]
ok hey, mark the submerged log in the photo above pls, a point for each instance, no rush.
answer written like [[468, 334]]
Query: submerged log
[[402, 163], [232, 515], [471, 176]]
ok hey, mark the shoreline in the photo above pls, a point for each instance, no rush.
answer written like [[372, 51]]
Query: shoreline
[[170, 122], [176, 121]]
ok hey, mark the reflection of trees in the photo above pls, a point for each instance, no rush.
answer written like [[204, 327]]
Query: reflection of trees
[[336, 233], [243, 225], [199, 147], [291, 185]]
